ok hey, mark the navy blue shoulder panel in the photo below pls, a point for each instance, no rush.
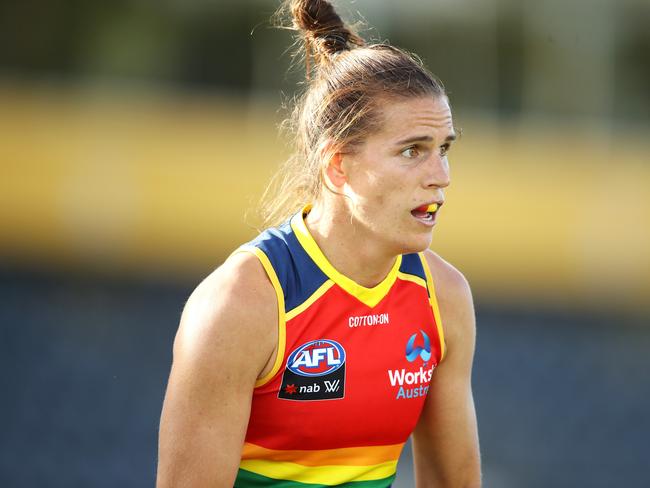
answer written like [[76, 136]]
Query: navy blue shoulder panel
[[411, 264], [297, 273]]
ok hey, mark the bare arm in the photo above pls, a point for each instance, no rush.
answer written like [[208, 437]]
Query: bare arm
[[445, 441], [225, 341]]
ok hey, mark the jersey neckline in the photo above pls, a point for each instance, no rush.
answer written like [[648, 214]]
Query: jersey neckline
[[369, 296]]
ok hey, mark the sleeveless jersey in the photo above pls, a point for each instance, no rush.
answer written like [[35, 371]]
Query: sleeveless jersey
[[352, 370]]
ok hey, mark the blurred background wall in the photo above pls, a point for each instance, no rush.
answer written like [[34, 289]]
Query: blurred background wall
[[136, 138]]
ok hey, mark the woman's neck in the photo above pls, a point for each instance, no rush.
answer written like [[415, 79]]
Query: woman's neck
[[349, 247]]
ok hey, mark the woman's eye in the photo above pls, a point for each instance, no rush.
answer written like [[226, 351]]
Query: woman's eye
[[410, 152], [444, 149]]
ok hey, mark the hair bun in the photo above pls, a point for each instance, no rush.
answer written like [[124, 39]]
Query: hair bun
[[323, 27]]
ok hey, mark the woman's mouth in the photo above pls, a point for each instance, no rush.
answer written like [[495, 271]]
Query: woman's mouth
[[426, 213]]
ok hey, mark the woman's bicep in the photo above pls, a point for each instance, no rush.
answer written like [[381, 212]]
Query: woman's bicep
[[215, 366]]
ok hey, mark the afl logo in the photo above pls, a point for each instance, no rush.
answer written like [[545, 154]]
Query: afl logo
[[316, 358]]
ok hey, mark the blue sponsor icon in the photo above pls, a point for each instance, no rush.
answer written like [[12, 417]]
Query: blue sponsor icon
[[316, 358], [413, 352]]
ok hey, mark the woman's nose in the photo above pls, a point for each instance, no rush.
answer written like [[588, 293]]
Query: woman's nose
[[437, 172]]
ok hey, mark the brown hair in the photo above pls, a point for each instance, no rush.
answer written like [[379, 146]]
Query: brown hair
[[347, 80]]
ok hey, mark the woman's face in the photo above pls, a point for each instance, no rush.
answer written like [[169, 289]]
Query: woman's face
[[400, 169]]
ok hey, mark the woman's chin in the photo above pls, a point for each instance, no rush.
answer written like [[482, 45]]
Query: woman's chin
[[415, 245]]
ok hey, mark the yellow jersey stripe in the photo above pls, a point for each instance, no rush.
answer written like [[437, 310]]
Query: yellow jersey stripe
[[434, 305], [308, 303], [413, 278], [368, 296], [268, 267], [323, 475], [354, 456]]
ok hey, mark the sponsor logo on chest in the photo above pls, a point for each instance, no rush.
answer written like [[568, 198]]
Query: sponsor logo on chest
[[314, 371], [410, 382], [369, 320]]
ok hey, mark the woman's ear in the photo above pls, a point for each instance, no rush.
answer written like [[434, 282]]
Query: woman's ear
[[334, 170], [332, 164]]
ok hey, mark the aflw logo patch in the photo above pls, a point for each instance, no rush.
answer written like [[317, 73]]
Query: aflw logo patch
[[314, 371]]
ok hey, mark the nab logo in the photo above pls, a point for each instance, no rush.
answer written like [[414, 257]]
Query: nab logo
[[412, 351], [316, 358]]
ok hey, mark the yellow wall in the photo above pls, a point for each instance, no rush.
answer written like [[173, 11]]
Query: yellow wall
[[155, 184]]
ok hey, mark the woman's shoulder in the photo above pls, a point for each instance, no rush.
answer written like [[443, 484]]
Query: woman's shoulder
[[453, 294], [447, 278], [240, 280], [234, 303]]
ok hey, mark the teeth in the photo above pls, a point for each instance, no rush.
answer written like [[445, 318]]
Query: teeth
[[432, 208]]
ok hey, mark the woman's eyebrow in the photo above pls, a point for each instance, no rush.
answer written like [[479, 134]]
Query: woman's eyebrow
[[415, 139], [449, 138]]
